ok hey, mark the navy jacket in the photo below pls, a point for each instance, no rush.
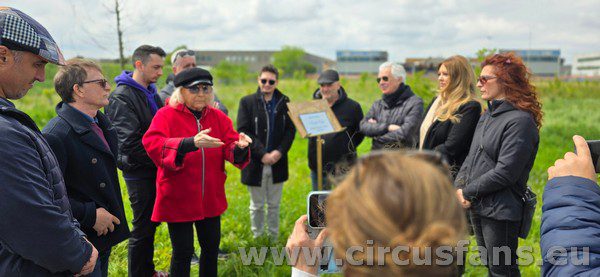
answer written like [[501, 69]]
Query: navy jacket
[[38, 234], [495, 173], [89, 170], [570, 218]]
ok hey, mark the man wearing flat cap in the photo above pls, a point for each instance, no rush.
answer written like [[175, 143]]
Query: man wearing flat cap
[[339, 149], [38, 234]]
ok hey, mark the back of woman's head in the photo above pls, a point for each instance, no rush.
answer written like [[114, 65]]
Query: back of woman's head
[[460, 90], [514, 81], [392, 200]]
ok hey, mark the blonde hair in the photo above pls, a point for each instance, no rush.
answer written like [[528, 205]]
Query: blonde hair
[[460, 90], [176, 98], [377, 205]]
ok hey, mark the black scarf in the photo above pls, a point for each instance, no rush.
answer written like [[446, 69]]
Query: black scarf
[[392, 98]]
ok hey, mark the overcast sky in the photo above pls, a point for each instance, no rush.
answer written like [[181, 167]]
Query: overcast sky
[[404, 28]]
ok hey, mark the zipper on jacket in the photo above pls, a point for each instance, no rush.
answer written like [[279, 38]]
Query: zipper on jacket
[[256, 125], [203, 161]]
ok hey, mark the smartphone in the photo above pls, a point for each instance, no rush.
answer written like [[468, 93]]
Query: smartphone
[[317, 203], [594, 146]]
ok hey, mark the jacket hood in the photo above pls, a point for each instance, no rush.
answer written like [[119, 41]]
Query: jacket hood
[[126, 78], [343, 95]]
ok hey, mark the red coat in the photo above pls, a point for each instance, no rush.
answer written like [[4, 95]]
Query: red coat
[[180, 193]]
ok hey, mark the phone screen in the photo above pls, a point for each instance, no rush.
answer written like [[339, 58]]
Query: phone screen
[[316, 210]]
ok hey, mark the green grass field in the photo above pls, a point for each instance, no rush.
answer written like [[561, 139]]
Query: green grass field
[[570, 108]]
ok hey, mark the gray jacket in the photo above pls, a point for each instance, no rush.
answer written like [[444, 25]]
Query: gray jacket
[[406, 112], [495, 173]]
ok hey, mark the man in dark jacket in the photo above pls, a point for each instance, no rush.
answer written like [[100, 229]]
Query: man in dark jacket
[[393, 121], [263, 116], [339, 149], [85, 145], [131, 108], [38, 234], [183, 59], [571, 216]]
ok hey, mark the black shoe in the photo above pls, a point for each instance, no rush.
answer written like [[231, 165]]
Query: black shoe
[[195, 259], [223, 255]]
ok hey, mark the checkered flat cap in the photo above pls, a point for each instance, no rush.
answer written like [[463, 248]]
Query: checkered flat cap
[[19, 31]]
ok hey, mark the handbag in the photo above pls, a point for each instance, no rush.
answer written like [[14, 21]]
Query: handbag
[[529, 202]]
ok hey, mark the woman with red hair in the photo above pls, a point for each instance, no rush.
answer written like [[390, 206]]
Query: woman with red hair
[[493, 179]]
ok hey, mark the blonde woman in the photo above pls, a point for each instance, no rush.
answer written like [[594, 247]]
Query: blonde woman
[[452, 116], [380, 207]]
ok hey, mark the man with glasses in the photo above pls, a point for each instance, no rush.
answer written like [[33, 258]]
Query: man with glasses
[[393, 121], [264, 117], [339, 149], [85, 145], [131, 108], [38, 234], [183, 59]]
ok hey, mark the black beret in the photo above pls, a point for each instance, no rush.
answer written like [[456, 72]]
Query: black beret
[[193, 76]]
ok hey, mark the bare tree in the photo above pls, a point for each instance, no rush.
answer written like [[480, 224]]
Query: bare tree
[[119, 34]]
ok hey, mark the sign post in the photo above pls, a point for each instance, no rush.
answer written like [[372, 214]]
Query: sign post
[[314, 119]]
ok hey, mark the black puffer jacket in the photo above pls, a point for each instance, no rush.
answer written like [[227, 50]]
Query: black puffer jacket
[[406, 112], [495, 173], [252, 120], [339, 148], [129, 111]]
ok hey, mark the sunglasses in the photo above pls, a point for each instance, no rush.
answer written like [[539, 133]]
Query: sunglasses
[[184, 54], [384, 78], [432, 157], [101, 82], [264, 81], [483, 79], [206, 89]]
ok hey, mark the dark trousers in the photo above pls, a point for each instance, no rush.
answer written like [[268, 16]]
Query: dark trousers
[[142, 194], [208, 232], [315, 181], [494, 234], [103, 258]]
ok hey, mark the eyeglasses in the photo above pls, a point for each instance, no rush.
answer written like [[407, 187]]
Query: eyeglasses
[[264, 81], [384, 78], [206, 89], [483, 79], [101, 82], [184, 53]]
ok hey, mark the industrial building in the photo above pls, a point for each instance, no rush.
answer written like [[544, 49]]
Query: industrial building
[[254, 59], [542, 63], [358, 62], [586, 65]]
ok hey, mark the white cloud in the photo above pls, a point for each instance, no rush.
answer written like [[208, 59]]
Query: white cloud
[[405, 28]]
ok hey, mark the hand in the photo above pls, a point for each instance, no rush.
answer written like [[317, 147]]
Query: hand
[[393, 127], [579, 165], [105, 222], [275, 155], [300, 239], [464, 202], [243, 141], [203, 140], [215, 105], [372, 120], [267, 159], [88, 267]]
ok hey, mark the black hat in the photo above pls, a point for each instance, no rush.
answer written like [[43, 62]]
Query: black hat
[[193, 76], [328, 76]]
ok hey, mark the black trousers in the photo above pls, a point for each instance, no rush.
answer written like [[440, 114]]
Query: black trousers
[[494, 236], [142, 194], [208, 232]]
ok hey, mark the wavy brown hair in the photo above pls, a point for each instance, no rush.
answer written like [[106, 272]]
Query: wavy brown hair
[[514, 80], [460, 90], [377, 205]]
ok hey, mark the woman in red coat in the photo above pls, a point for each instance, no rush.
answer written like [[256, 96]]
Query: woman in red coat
[[189, 141]]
